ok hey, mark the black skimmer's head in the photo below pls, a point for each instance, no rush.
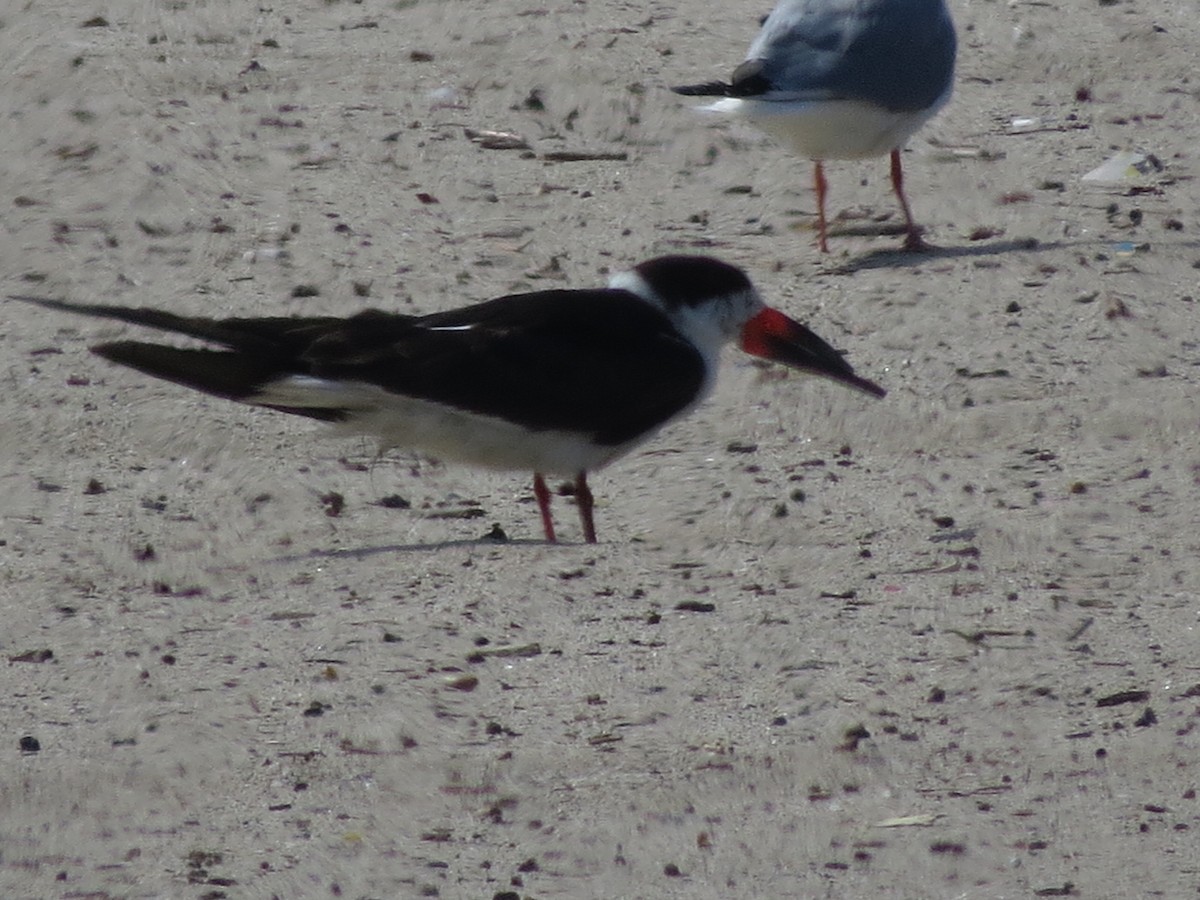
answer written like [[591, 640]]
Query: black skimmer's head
[[553, 382], [844, 79], [712, 303]]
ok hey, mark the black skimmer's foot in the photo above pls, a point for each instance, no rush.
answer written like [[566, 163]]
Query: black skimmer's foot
[[583, 499]]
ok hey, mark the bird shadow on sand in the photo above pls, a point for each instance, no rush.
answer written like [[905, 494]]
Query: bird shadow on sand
[[362, 553], [481, 543], [898, 258]]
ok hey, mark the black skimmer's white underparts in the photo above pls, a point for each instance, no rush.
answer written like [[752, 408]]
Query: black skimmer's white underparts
[[554, 382], [844, 79]]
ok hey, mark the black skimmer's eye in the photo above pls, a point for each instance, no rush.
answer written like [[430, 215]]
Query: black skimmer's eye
[[772, 335]]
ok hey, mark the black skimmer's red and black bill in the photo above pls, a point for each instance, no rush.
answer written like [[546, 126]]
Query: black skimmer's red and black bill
[[844, 79], [555, 382]]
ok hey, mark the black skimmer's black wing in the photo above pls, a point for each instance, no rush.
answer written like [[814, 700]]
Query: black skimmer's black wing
[[600, 363]]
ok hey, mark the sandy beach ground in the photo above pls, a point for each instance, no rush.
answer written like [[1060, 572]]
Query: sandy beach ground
[[942, 645]]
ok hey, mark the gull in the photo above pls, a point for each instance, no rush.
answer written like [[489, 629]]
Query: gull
[[844, 79]]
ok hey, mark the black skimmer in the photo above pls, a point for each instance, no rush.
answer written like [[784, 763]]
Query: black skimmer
[[554, 382], [844, 79]]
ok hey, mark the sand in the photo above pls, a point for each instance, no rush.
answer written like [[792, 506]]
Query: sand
[[940, 645]]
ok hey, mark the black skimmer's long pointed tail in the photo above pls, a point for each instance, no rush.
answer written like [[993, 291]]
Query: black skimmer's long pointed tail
[[258, 351], [232, 374], [554, 382]]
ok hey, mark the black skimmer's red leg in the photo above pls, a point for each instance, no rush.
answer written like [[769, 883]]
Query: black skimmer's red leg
[[844, 80], [542, 493], [586, 503], [554, 382], [583, 499]]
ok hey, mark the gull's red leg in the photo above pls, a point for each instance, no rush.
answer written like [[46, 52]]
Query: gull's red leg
[[822, 188], [583, 498], [543, 498], [913, 241]]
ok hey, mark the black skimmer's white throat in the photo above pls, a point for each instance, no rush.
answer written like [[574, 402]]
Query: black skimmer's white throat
[[844, 79], [554, 382]]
